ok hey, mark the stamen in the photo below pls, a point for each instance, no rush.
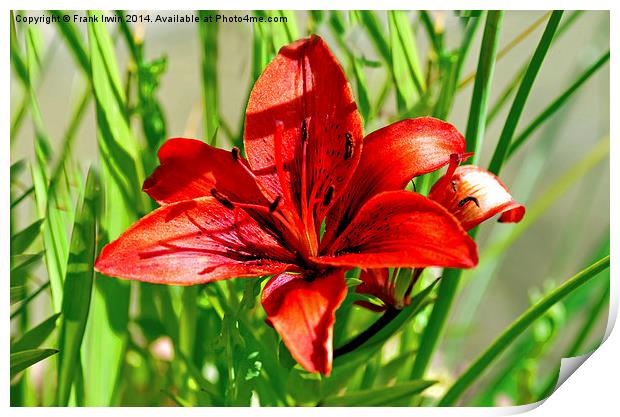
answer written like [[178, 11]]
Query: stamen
[[468, 199], [329, 195], [348, 147], [222, 199], [454, 186], [274, 205], [235, 153]]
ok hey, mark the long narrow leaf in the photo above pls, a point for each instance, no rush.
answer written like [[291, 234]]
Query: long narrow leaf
[[475, 370], [482, 87], [27, 358], [501, 150], [78, 283], [34, 337]]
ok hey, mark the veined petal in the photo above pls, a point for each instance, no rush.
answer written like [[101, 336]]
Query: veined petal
[[402, 229], [190, 168], [191, 242], [392, 156], [474, 194], [302, 311], [305, 89]]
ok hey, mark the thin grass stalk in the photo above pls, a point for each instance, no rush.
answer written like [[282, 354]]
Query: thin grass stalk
[[479, 366], [501, 150]]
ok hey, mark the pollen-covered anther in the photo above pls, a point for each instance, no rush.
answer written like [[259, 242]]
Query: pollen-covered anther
[[468, 199], [329, 195], [348, 147], [222, 199], [235, 153], [274, 205]]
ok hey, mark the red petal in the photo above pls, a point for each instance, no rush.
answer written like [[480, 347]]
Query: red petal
[[190, 169], [403, 229], [375, 282], [490, 194], [191, 242], [303, 314], [392, 156], [303, 84]]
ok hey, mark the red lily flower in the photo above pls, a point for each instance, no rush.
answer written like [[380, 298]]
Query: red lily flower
[[223, 216], [472, 195]]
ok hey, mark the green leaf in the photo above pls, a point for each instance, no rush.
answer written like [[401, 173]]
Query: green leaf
[[21, 264], [122, 173], [27, 358], [477, 368], [34, 337], [417, 303], [48, 207], [73, 38], [556, 104], [375, 32], [17, 292], [378, 396], [405, 65], [22, 240], [208, 42], [78, 287], [512, 120], [482, 86]]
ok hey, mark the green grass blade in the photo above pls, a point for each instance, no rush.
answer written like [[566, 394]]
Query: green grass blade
[[449, 87], [404, 56], [549, 197], [208, 43], [475, 133], [512, 85], [27, 358], [34, 337], [375, 32], [29, 298], [54, 236], [384, 396], [22, 240], [106, 333], [556, 104], [512, 120], [74, 41], [482, 86], [516, 328], [78, 287], [435, 34]]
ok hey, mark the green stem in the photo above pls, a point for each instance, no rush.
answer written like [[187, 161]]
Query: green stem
[[503, 145], [482, 87], [390, 314], [477, 368]]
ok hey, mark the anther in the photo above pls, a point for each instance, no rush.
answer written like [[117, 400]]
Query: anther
[[222, 199], [348, 148], [468, 199], [274, 205], [304, 131], [329, 195], [235, 153], [454, 186]]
